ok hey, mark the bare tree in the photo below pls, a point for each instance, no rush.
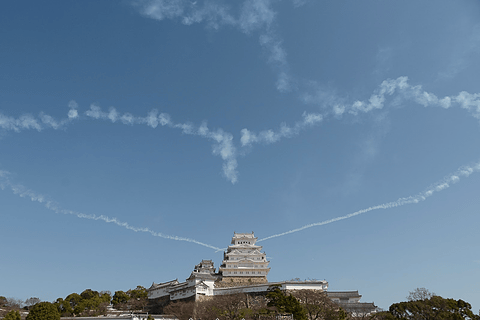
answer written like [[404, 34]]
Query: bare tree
[[181, 309], [420, 294], [14, 303], [317, 304], [225, 307], [31, 301]]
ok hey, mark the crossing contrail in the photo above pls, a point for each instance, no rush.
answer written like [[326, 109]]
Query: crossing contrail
[[445, 183], [53, 206]]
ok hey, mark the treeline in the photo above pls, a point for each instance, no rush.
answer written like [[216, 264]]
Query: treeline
[[276, 304], [87, 303], [423, 304], [301, 305], [315, 305], [94, 303]]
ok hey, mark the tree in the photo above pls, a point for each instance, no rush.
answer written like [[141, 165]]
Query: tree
[[420, 294], [14, 303], [31, 302], [286, 303], [63, 307], [435, 307], [318, 305], [231, 307], [180, 309], [138, 298], [13, 315], [43, 311], [120, 299], [88, 294], [138, 293], [92, 303], [133, 299], [3, 301], [382, 315], [88, 303]]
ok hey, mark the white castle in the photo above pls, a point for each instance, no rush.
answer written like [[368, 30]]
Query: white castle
[[244, 269], [243, 258]]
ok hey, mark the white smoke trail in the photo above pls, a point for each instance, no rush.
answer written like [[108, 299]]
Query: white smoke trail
[[270, 136], [377, 101], [53, 206], [445, 183], [465, 100], [43, 121], [222, 147]]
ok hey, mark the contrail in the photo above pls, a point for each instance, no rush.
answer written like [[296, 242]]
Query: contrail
[[445, 183], [223, 141], [377, 101], [270, 136], [53, 206], [43, 121]]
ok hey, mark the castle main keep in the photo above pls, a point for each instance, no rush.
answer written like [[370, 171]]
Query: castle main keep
[[244, 269]]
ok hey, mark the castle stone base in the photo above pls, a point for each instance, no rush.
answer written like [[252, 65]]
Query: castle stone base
[[227, 282]]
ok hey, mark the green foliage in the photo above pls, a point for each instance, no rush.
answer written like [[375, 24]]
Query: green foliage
[[383, 315], [43, 311], [88, 303], [133, 299], [63, 307], [89, 294], [13, 315], [72, 300], [120, 297], [138, 293], [435, 307], [286, 304]]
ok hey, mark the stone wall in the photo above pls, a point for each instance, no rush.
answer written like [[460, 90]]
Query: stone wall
[[155, 306], [227, 282]]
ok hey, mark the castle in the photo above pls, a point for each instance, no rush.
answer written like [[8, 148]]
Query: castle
[[244, 269]]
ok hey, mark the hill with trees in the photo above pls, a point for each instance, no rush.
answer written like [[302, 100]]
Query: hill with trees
[[421, 304]]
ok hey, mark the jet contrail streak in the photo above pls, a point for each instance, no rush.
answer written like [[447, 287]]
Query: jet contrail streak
[[53, 206], [464, 171]]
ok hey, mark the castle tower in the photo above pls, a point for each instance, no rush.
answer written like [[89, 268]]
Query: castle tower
[[243, 262]]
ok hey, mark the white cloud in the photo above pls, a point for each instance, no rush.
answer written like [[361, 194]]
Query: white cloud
[[112, 114], [96, 112], [256, 14], [162, 9], [49, 121], [72, 113]]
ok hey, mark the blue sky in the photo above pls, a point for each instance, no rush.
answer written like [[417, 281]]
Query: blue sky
[[137, 136]]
